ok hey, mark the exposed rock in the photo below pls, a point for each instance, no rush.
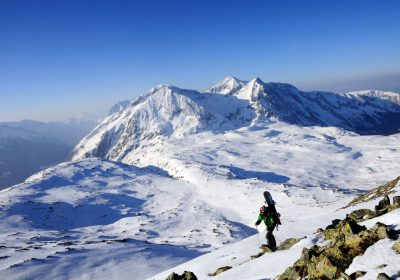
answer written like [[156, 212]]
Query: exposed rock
[[187, 275], [321, 268], [382, 230], [347, 240], [345, 276], [288, 243], [381, 266], [383, 205], [396, 201], [382, 276], [220, 270], [334, 223], [375, 193], [361, 215], [347, 226], [357, 274], [266, 249], [257, 256], [396, 246]]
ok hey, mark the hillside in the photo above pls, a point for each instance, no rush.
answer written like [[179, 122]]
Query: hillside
[[179, 173], [242, 260]]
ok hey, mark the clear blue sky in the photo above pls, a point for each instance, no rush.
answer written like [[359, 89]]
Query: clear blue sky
[[62, 58]]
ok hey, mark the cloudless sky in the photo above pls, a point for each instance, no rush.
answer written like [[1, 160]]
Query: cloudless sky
[[60, 58]]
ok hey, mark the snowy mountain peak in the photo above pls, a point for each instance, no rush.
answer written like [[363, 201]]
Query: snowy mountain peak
[[256, 80], [167, 111], [227, 86]]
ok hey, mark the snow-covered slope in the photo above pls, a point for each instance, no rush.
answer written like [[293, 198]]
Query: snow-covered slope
[[167, 111], [378, 258], [108, 219], [229, 85], [368, 112], [180, 173]]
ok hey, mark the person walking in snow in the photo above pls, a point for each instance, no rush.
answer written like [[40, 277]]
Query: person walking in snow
[[267, 215]]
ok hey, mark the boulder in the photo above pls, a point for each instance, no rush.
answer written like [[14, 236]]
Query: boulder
[[396, 246], [383, 205], [321, 268], [345, 276], [381, 266], [382, 230], [357, 274], [220, 270], [344, 227], [334, 223], [266, 249], [187, 275], [347, 240], [257, 256], [382, 276], [361, 215], [288, 243], [396, 202]]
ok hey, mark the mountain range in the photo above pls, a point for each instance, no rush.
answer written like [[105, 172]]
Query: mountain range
[[175, 174]]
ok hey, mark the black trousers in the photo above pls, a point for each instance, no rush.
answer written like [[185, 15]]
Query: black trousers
[[270, 237]]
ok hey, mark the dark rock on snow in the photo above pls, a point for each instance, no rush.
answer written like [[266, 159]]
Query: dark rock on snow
[[383, 276], [348, 240], [220, 270], [187, 275]]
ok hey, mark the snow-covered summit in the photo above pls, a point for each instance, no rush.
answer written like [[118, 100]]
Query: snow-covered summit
[[165, 111], [168, 111], [228, 85]]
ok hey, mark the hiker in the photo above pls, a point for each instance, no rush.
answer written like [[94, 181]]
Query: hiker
[[267, 215]]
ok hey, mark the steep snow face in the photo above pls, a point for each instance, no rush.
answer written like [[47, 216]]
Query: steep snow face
[[365, 112], [165, 111], [228, 86]]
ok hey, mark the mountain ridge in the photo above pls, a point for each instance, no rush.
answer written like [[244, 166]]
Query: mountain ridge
[[168, 111]]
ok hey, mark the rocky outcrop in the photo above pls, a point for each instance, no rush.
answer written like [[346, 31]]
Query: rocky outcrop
[[396, 202], [396, 246], [347, 239], [264, 249], [220, 270], [383, 205], [382, 190], [288, 243], [362, 214], [187, 275], [383, 276]]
